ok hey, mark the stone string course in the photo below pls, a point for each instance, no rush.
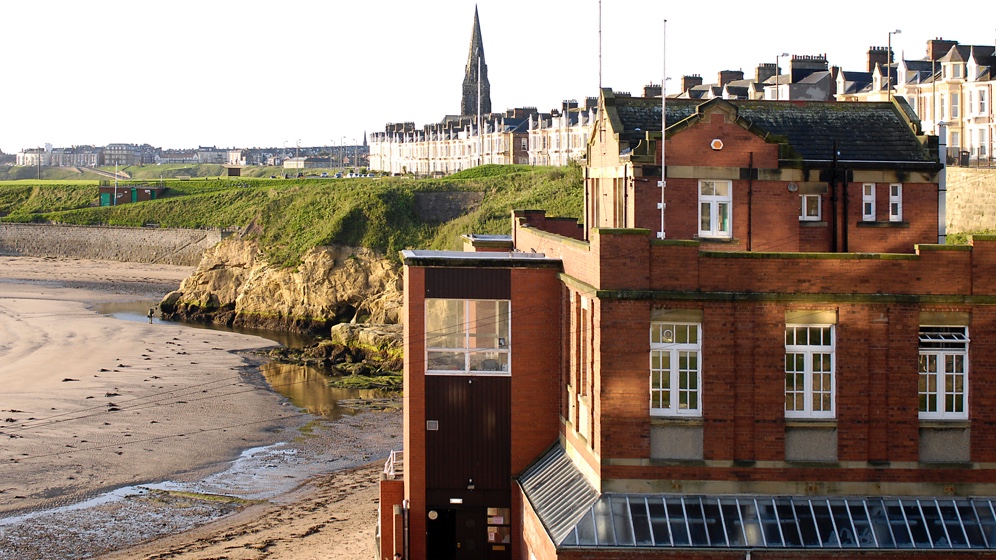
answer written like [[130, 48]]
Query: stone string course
[[146, 245]]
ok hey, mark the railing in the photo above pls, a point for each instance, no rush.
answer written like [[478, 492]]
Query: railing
[[976, 157], [394, 464]]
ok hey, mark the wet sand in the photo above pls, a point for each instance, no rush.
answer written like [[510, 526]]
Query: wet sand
[[92, 403]]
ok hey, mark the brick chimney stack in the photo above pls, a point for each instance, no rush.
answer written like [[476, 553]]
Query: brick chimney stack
[[727, 76], [688, 82], [876, 56]]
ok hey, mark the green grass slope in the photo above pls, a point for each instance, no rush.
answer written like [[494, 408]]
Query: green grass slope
[[289, 217]]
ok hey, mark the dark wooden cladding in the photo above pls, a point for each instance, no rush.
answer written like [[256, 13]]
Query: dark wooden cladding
[[473, 442], [468, 283]]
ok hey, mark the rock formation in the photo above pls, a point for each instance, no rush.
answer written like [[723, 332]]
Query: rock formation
[[234, 285]]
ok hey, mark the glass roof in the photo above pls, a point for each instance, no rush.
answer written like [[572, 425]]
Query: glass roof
[[648, 520]]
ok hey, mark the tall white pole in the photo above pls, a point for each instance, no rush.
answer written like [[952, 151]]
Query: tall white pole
[[663, 183], [480, 137]]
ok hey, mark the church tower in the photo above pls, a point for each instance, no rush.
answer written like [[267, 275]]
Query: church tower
[[471, 79]]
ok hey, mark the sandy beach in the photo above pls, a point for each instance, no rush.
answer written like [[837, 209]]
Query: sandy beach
[[158, 413]]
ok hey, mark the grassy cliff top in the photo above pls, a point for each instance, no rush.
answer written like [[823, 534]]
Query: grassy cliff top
[[289, 217]]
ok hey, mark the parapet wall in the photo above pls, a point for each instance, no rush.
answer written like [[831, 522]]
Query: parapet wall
[[971, 199], [147, 245]]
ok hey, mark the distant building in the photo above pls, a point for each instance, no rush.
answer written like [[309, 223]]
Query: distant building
[[239, 157], [78, 156], [952, 85], [122, 155], [453, 145], [559, 137], [479, 136], [211, 154], [306, 163], [177, 156], [34, 157], [476, 87]]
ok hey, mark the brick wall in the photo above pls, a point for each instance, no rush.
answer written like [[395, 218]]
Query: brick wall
[[392, 492]]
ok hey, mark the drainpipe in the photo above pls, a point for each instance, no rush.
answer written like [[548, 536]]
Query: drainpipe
[[404, 522], [750, 201], [587, 209], [833, 200], [942, 184], [846, 228], [625, 187]]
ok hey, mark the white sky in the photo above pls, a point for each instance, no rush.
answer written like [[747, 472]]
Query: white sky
[[238, 73]]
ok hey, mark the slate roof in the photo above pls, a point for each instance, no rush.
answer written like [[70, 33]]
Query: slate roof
[[867, 132]]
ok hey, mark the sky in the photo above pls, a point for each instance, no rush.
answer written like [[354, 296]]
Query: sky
[[243, 74]]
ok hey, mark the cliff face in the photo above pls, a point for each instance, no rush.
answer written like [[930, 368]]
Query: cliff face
[[234, 285]]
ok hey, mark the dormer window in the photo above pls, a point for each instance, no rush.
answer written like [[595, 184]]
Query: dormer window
[[956, 71]]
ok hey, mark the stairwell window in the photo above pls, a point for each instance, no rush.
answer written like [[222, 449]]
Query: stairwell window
[[868, 202], [467, 337], [943, 383], [809, 371], [811, 210], [675, 369], [895, 202], [715, 204]]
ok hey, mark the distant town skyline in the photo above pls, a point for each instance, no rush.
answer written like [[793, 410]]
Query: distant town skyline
[[220, 74]]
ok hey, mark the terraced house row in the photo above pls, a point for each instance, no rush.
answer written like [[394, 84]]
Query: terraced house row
[[755, 344]]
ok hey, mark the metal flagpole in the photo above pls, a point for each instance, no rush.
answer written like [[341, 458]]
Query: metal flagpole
[[663, 182], [480, 138]]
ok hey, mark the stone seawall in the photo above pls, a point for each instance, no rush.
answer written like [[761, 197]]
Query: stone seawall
[[971, 200], [147, 245]]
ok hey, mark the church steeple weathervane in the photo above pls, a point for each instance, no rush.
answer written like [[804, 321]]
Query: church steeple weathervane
[[475, 81]]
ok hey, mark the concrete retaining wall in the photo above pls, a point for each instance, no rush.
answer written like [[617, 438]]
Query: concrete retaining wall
[[971, 199], [147, 245]]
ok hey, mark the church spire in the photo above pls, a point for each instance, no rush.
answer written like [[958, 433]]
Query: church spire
[[476, 75]]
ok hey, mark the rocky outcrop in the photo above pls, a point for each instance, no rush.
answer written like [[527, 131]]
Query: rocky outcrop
[[234, 285], [367, 350]]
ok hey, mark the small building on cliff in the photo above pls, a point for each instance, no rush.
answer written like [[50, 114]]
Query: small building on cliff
[[755, 343]]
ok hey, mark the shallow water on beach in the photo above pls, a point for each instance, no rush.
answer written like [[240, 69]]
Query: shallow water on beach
[[306, 387], [139, 311]]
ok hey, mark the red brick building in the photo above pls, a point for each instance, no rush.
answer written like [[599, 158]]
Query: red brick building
[[775, 358]]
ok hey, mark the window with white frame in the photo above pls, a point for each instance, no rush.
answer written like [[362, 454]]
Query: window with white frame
[[942, 112], [868, 202], [982, 102], [983, 140], [675, 369], [968, 103], [810, 209], [954, 105], [895, 202], [955, 140], [715, 204], [809, 371], [467, 337], [943, 380]]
